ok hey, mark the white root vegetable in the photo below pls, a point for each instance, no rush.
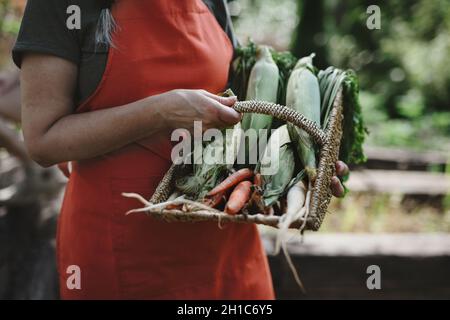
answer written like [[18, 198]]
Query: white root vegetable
[[307, 203], [297, 207], [174, 196], [296, 198], [295, 203]]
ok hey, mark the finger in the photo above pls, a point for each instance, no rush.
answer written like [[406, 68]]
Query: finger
[[227, 101], [342, 169], [229, 116], [226, 116], [336, 187]]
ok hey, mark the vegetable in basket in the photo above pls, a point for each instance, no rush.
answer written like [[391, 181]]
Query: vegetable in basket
[[232, 181], [354, 131], [242, 66], [303, 95], [277, 166], [286, 62], [269, 73], [239, 197], [262, 86], [214, 197], [206, 172], [246, 59]]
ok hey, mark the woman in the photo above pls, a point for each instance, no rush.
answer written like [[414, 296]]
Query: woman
[[157, 70]]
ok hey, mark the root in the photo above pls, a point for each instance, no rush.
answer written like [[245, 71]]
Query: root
[[192, 205], [293, 269], [137, 197], [307, 207]]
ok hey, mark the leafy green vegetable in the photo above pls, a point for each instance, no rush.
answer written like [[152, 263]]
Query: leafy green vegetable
[[242, 66], [286, 62], [354, 130]]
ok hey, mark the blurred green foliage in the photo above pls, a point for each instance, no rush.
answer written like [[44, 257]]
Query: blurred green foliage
[[411, 51], [10, 16], [403, 68], [9, 22]]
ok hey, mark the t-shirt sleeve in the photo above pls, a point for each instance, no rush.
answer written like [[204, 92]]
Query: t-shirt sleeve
[[44, 30]]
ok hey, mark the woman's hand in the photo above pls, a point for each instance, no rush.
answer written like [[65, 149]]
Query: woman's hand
[[183, 107], [336, 186]]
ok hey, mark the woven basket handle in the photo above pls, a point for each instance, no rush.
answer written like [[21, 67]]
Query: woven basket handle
[[285, 114]]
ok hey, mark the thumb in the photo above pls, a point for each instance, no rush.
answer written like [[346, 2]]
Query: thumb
[[227, 101], [228, 115]]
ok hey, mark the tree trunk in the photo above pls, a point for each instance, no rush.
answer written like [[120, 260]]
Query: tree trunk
[[310, 32]]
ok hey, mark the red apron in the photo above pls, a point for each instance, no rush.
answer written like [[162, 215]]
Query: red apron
[[160, 45]]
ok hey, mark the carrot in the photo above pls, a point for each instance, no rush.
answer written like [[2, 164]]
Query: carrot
[[215, 200], [231, 181], [239, 197], [174, 207], [172, 197]]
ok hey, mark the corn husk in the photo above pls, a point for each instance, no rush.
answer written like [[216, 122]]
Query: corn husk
[[303, 95], [212, 164], [277, 166], [262, 86]]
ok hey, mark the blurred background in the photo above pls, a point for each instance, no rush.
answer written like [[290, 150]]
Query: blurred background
[[397, 215]]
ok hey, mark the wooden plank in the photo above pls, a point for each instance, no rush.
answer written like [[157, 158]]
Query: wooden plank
[[402, 159], [399, 182], [402, 245]]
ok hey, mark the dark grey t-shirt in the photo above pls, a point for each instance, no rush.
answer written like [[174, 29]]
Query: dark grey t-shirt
[[44, 30]]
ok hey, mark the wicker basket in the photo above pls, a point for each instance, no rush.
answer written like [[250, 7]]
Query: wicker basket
[[328, 140]]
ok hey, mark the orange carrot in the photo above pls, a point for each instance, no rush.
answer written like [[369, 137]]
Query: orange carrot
[[174, 206], [231, 181], [239, 197]]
